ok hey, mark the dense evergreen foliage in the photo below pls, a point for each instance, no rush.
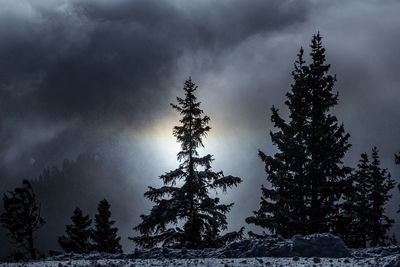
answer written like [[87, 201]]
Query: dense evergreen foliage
[[382, 183], [307, 173], [356, 206], [78, 234], [365, 198], [21, 217], [104, 234], [202, 216], [397, 161]]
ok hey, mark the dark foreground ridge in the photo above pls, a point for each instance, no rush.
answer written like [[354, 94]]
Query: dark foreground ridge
[[316, 245]]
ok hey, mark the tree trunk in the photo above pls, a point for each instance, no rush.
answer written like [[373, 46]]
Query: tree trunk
[[32, 250]]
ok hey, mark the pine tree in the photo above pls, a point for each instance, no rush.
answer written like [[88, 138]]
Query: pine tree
[[78, 234], [381, 184], [202, 217], [104, 235], [307, 173], [21, 217], [357, 205], [364, 202], [397, 161]]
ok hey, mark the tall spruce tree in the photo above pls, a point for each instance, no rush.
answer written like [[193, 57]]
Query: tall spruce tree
[[21, 217], [78, 233], [203, 217], [104, 234], [364, 203], [307, 173]]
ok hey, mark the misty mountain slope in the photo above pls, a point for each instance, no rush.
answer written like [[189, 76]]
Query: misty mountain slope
[[82, 182]]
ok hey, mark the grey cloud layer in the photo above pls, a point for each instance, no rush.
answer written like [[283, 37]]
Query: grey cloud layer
[[102, 63]]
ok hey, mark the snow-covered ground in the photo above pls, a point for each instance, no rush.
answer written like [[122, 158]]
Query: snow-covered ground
[[313, 250], [388, 261]]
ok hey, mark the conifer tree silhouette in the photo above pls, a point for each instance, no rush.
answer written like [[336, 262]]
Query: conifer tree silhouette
[[307, 173], [77, 239], [202, 217], [397, 161], [356, 205], [104, 234], [21, 217], [382, 183], [364, 204]]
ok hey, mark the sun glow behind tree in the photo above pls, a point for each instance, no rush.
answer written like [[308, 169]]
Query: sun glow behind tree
[[160, 145]]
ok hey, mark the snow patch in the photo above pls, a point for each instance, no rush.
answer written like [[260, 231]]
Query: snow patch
[[316, 245]]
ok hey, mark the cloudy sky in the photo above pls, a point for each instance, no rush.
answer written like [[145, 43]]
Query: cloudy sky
[[79, 75]]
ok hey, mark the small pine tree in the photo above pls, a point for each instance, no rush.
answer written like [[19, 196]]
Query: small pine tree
[[78, 234], [202, 216], [364, 199], [21, 217], [356, 206], [397, 161], [104, 235], [381, 184], [307, 173]]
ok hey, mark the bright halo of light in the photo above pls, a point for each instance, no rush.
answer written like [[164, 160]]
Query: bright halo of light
[[159, 141], [160, 146]]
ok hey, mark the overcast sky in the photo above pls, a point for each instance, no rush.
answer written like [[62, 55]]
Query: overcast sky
[[79, 75]]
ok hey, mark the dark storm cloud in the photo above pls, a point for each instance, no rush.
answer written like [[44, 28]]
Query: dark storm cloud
[[93, 56], [102, 63]]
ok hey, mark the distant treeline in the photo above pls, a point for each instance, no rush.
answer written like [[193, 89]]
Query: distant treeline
[[81, 182]]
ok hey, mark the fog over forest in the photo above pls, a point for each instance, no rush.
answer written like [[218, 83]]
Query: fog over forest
[[92, 82]]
